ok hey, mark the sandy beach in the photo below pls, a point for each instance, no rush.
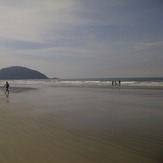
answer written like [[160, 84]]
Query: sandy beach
[[83, 125]]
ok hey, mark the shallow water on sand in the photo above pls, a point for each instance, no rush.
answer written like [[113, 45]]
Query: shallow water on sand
[[84, 125]]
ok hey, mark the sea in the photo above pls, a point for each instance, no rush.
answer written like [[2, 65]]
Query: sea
[[125, 83]]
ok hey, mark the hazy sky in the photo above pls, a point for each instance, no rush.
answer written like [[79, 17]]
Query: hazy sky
[[83, 38]]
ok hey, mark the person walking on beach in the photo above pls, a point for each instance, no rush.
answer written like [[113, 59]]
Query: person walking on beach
[[7, 87]]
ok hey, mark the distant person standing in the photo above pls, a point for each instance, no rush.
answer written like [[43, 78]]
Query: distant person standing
[[7, 87], [119, 82]]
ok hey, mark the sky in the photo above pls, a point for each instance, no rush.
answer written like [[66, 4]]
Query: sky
[[83, 38]]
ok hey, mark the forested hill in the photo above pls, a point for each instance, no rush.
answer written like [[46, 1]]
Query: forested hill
[[18, 72]]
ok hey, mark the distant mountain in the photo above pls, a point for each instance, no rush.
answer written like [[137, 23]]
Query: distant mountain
[[18, 72]]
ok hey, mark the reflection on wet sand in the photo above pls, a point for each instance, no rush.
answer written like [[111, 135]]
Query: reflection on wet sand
[[84, 126], [7, 97]]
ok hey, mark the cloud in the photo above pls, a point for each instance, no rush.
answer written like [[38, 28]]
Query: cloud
[[34, 20], [148, 45], [77, 37]]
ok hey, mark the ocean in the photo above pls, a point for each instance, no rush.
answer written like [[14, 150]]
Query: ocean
[[126, 83]]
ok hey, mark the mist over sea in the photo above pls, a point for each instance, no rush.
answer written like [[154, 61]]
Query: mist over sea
[[82, 120]]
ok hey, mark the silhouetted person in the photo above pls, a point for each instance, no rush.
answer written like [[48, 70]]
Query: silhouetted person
[[7, 87], [119, 82]]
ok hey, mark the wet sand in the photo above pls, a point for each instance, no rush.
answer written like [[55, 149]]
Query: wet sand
[[84, 125]]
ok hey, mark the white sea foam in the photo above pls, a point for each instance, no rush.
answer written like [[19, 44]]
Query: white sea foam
[[79, 83], [135, 83]]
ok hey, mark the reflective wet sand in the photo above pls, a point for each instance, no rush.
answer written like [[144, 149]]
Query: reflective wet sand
[[84, 125]]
